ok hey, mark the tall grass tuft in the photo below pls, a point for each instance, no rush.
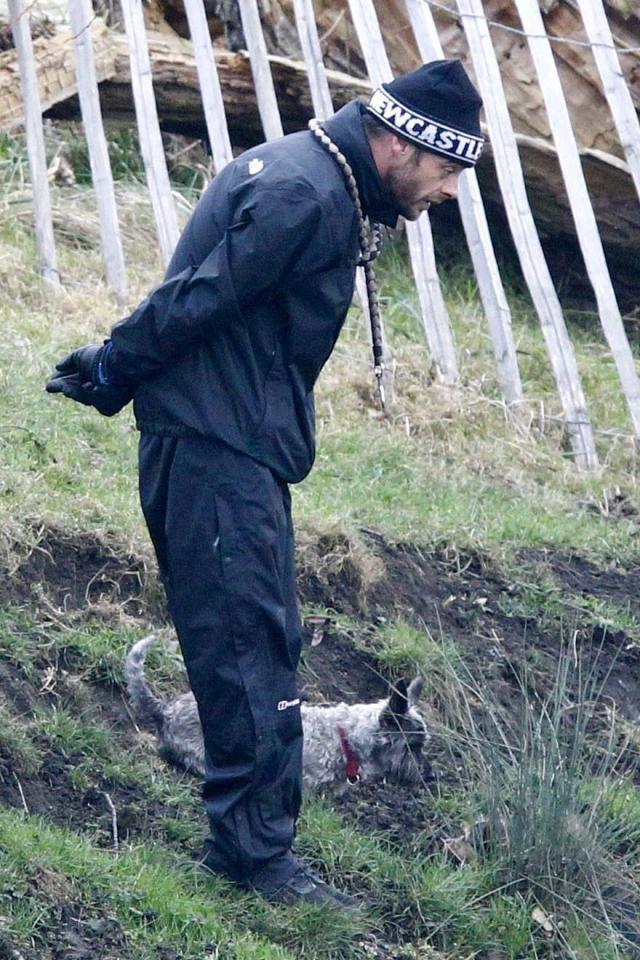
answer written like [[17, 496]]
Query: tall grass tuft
[[554, 779]]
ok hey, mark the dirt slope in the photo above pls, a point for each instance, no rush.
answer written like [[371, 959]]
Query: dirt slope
[[461, 598]]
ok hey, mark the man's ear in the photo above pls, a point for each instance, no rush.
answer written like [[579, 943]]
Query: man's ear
[[399, 147]]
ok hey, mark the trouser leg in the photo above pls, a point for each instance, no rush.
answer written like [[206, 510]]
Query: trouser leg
[[221, 527]]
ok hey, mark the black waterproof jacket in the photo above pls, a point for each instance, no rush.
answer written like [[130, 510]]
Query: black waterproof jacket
[[230, 345]]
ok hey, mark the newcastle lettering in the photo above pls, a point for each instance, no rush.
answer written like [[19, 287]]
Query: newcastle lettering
[[425, 130]]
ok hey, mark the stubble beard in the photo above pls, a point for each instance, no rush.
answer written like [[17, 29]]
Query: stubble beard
[[401, 189]]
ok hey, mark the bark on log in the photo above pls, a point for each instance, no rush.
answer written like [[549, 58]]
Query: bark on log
[[56, 68], [590, 114], [180, 110], [615, 204], [175, 81]]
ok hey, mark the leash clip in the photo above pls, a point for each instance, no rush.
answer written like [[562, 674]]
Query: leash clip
[[379, 372]]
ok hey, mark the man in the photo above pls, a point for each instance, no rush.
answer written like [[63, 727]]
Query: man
[[222, 359]]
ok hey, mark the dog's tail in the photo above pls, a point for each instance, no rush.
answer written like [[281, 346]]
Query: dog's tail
[[147, 707]]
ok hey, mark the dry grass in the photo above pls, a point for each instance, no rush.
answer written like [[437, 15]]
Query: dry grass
[[447, 466]]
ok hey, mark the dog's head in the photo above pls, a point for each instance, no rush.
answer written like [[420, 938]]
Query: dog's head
[[402, 735]]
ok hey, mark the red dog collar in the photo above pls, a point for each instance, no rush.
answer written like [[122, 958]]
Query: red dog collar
[[353, 764]]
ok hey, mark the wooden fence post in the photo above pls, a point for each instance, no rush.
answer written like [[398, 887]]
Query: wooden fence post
[[212, 101], [476, 228], [323, 107], [19, 16], [151, 146], [262, 79], [434, 312], [615, 87], [581, 206], [532, 260], [312, 53], [81, 14]]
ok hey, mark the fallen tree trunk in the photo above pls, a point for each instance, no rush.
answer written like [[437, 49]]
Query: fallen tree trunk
[[175, 82], [177, 94], [55, 65], [615, 204], [590, 113], [179, 104]]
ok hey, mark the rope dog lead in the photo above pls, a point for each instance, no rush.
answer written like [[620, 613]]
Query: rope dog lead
[[370, 240]]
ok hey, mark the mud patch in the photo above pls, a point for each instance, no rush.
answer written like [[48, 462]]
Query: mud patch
[[68, 788], [15, 688], [74, 571], [463, 599], [399, 814], [69, 931], [582, 578], [76, 935], [337, 670], [107, 812]]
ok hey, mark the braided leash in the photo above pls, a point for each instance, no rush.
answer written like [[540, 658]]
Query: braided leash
[[370, 240]]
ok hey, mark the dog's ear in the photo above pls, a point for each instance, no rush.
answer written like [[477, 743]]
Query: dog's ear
[[398, 702], [415, 690]]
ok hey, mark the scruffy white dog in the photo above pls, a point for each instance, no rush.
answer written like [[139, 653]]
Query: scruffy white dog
[[342, 742]]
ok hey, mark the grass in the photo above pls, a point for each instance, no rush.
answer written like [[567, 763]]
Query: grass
[[158, 903], [405, 649], [447, 470], [17, 743], [544, 785], [555, 777], [427, 897], [99, 650]]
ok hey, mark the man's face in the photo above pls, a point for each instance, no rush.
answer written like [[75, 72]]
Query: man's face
[[416, 179]]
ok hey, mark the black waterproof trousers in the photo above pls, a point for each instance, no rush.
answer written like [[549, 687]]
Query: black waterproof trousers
[[221, 527]]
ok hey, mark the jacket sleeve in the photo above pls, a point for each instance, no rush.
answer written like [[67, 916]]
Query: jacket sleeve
[[275, 231]]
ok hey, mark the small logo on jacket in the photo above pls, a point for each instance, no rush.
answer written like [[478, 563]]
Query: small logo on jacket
[[285, 704], [256, 165]]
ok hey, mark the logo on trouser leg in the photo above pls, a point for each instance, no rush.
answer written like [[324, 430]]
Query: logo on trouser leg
[[285, 704]]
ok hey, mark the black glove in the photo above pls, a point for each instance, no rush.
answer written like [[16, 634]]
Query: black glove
[[78, 377]]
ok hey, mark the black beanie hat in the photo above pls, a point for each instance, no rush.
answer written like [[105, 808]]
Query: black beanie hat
[[436, 107]]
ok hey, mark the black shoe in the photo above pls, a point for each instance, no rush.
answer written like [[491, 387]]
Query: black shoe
[[208, 860], [304, 886]]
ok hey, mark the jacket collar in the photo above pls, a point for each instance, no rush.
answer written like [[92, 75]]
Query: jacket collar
[[346, 130]]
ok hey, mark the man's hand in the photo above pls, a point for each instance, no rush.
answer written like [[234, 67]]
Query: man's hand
[[79, 376]]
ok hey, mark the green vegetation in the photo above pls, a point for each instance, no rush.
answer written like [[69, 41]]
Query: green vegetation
[[555, 775], [527, 846], [161, 902], [16, 743]]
